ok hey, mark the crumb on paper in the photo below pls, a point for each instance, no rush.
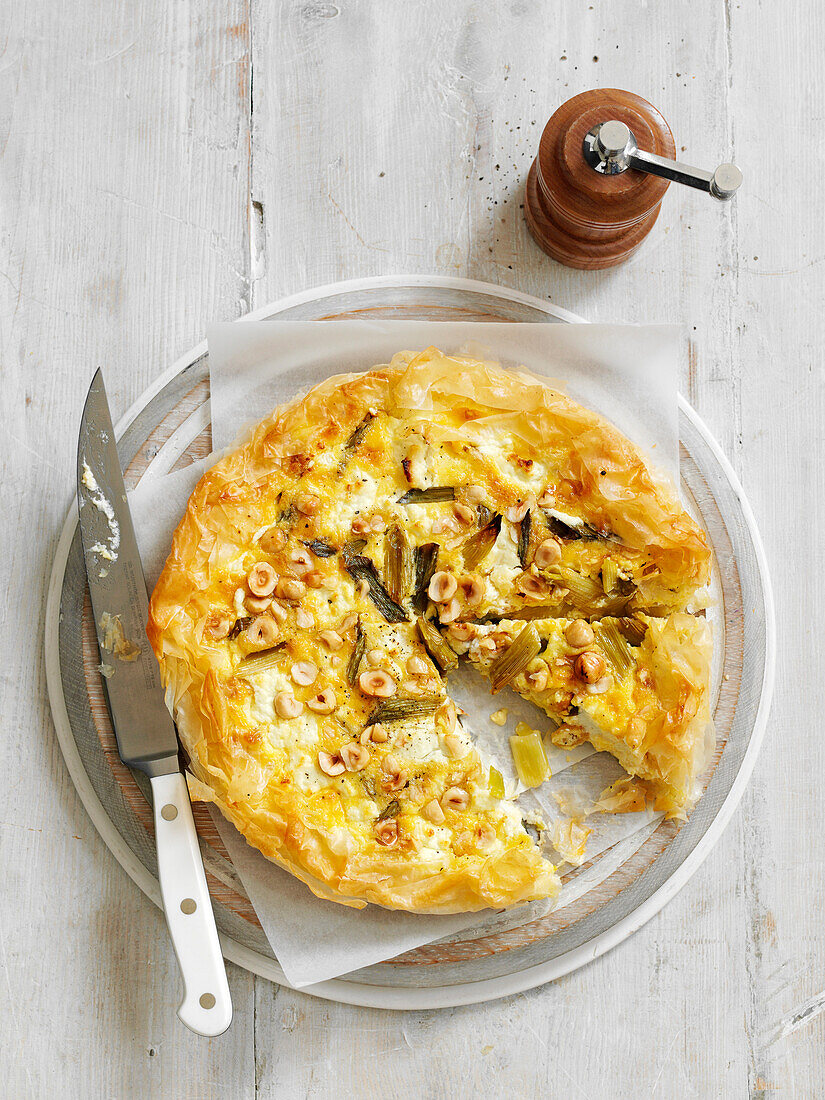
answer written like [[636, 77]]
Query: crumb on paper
[[569, 838], [522, 729], [499, 717], [573, 803], [114, 640]]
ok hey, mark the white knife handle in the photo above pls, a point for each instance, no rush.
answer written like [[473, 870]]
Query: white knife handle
[[206, 1007]]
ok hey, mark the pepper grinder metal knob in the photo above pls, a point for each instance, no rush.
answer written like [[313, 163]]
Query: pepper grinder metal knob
[[605, 160]]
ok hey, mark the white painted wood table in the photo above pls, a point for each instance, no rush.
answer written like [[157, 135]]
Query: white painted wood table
[[168, 164]]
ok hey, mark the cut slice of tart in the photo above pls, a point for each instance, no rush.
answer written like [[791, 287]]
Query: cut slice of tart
[[638, 688]]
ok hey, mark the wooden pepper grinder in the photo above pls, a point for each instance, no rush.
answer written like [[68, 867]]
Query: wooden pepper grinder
[[605, 160]]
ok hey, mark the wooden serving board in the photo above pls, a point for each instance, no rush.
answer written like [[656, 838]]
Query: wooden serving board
[[620, 880]]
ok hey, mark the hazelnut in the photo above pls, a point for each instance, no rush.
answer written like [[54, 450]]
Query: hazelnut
[[464, 513], [304, 619], [375, 657], [287, 706], [472, 589], [548, 554], [417, 666], [314, 579], [532, 587], [257, 604], [332, 640], [455, 745], [442, 587], [304, 673], [278, 611], [449, 612], [331, 764], [579, 634], [272, 540], [433, 812], [455, 798], [262, 632], [461, 632], [601, 685], [516, 512], [589, 666], [218, 625], [537, 679], [288, 589], [394, 775], [355, 757], [446, 715], [261, 579], [299, 561], [324, 702], [375, 733], [475, 494], [308, 504], [378, 523], [386, 832], [360, 526], [377, 682]]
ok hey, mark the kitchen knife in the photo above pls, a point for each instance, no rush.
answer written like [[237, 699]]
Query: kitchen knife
[[146, 737]]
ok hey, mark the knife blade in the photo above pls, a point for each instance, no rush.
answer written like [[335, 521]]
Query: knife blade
[[146, 737], [145, 732]]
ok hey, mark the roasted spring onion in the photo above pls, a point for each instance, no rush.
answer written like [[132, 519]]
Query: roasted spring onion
[[362, 569], [479, 545], [354, 546], [633, 629], [260, 662], [436, 646], [426, 559], [390, 810], [584, 591], [530, 759], [353, 441], [357, 655], [484, 515], [395, 710], [610, 575], [524, 539], [320, 548], [571, 531], [495, 783], [615, 647], [240, 624], [399, 564], [432, 495], [525, 647]]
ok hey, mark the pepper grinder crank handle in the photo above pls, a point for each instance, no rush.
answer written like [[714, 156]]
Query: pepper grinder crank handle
[[610, 148]]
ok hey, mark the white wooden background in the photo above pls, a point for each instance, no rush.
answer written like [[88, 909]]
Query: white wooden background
[[167, 164]]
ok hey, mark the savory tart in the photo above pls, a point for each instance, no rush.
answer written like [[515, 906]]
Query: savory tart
[[301, 620]]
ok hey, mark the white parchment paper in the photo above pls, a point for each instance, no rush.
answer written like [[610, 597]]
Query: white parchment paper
[[627, 372]]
